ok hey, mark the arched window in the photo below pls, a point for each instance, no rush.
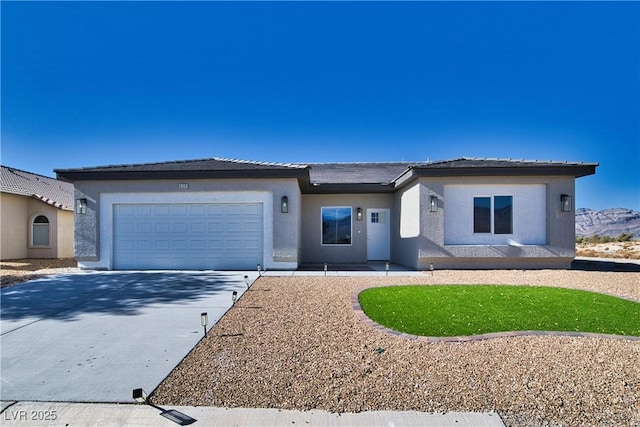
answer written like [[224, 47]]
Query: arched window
[[40, 231]]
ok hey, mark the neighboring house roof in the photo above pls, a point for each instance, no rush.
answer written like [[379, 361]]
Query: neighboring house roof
[[48, 190], [331, 177]]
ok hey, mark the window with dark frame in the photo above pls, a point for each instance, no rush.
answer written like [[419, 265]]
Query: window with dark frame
[[482, 214], [502, 214], [336, 225]]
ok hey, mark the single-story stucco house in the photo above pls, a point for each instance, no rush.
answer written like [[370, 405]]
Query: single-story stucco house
[[232, 214], [36, 216]]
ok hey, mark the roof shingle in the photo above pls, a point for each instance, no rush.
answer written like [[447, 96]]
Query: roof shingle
[[48, 190]]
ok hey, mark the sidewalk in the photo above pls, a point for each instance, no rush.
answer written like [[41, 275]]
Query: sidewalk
[[103, 414]]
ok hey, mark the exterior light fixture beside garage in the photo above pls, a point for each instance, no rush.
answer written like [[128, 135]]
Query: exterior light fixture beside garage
[[284, 204], [81, 206], [433, 204]]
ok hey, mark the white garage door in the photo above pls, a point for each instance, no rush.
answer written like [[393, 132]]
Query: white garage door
[[187, 236]]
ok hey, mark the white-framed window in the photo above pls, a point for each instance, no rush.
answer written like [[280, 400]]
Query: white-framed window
[[336, 225], [493, 214], [40, 231]]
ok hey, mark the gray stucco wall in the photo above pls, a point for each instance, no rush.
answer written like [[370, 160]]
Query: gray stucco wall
[[428, 247], [312, 249], [87, 230]]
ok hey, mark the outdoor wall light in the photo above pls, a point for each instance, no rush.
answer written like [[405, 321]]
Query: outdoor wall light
[[139, 395], [565, 203], [433, 204], [204, 319], [81, 206], [284, 204], [234, 297], [359, 214]]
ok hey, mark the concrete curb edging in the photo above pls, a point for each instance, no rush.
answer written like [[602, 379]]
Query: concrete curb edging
[[355, 304], [103, 414]]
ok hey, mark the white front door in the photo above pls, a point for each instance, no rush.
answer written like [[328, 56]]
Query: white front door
[[378, 234]]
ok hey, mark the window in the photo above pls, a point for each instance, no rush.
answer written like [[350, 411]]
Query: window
[[336, 225], [375, 218], [40, 231], [502, 214], [482, 214]]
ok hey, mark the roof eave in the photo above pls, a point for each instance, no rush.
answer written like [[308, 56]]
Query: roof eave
[[88, 175], [348, 188], [576, 171]]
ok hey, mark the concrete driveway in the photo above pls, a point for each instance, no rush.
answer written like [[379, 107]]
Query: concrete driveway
[[94, 337]]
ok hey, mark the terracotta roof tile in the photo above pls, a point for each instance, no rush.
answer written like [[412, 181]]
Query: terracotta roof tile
[[48, 190]]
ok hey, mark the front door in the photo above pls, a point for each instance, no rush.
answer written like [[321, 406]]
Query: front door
[[378, 234]]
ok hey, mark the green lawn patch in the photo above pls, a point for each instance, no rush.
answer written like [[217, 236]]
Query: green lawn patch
[[460, 310]]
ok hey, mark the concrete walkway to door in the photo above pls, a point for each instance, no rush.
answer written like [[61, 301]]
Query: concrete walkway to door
[[94, 337]]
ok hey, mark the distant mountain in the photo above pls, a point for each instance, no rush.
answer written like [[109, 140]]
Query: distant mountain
[[608, 222]]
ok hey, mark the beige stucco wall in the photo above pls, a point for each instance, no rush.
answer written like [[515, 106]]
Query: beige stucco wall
[[65, 234], [91, 229], [13, 220], [35, 208], [17, 214], [312, 249]]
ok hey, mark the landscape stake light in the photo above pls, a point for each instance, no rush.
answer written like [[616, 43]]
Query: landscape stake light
[[259, 272], [246, 281], [325, 268], [139, 395], [431, 268], [204, 319], [386, 268], [234, 297]]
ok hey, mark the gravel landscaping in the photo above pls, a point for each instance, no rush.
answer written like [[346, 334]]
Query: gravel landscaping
[[296, 343], [17, 271]]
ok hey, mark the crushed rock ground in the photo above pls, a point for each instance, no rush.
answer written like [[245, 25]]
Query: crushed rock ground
[[296, 343]]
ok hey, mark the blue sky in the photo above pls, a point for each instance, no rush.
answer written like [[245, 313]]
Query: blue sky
[[94, 83]]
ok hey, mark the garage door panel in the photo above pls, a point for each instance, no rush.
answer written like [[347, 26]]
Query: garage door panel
[[143, 227], [214, 210], [161, 210], [143, 210], [198, 227], [179, 210], [215, 227], [188, 236]]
